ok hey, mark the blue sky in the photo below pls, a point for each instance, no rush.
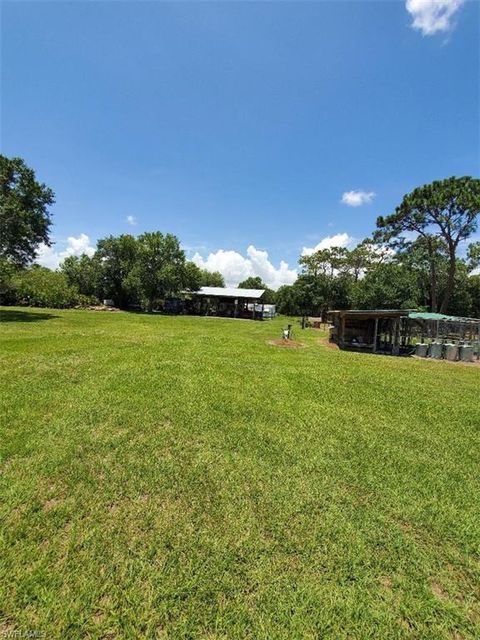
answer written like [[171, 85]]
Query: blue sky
[[238, 126]]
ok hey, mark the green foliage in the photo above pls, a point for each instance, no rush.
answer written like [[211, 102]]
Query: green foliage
[[8, 271], [255, 282], [314, 295], [117, 257], [40, 287], [327, 280], [24, 217], [427, 257], [287, 300], [389, 271], [473, 256], [325, 262], [211, 279], [84, 273], [473, 285], [161, 270], [270, 296], [448, 209], [192, 277], [465, 300], [388, 286], [133, 270]]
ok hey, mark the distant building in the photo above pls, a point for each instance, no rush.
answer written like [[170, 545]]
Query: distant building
[[226, 302]]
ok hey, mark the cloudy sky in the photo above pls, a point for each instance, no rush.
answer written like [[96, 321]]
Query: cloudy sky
[[254, 131]]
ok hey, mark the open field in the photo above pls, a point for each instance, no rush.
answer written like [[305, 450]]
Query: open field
[[181, 478]]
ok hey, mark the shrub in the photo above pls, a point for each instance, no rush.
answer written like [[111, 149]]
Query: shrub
[[8, 272], [40, 287], [86, 301]]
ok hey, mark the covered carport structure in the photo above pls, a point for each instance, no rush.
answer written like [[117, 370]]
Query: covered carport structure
[[226, 302]]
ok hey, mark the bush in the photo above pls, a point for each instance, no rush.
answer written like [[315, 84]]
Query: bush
[[86, 301], [40, 287], [8, 272]]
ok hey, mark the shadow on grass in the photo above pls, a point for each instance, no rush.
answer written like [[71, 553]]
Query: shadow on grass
[[13, 315]]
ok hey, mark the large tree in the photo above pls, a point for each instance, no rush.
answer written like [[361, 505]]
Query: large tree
[[192, 277], [445, 210], [211, 279], [84, 273], [24, 217], [161, 270], [117, 257], [473, 256], [474, 289], [426, 255], [252, 282], [388, 286], [325, 262], [255, 282]]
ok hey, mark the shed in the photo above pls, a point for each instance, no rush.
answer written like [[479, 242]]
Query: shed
[[396, 331], [376, 330]]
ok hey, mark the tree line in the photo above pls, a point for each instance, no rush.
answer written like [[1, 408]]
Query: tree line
[[132, 272], [413, 259], [373, 277]]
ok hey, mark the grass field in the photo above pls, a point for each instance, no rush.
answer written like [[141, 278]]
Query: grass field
[[178, 477]]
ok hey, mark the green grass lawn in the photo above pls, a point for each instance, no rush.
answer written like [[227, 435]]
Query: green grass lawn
[[178, 477]]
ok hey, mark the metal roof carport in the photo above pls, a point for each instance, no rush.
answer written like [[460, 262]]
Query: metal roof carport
[[235, 300]]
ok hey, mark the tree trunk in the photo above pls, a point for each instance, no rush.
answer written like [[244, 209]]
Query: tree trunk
[[452, 266], [433, 277]]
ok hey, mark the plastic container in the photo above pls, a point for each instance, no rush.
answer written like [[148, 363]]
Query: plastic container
[[421, 350], [451, 352], [436, 350], [466, 353]]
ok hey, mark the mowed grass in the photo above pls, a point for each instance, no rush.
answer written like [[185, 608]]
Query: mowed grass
[[178, 477]]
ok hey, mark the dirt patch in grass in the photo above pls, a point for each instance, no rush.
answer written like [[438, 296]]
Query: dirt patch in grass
[[289, 344], [98, 307], [51, 504], [386, 583], [438, 592], [325, 342]]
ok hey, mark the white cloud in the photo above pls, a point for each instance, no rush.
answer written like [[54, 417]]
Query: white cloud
[[338, 240], [357, 198], [49, 257], [131, 220], [264, 268], [432, 16], [234, 267]]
